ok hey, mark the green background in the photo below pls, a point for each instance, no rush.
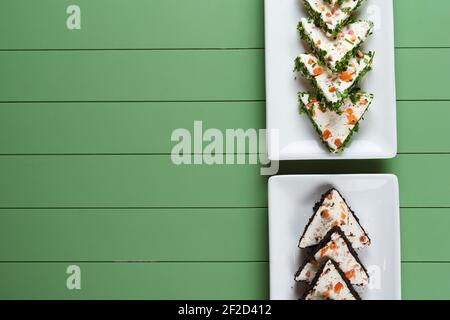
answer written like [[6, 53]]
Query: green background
[[85, 170]]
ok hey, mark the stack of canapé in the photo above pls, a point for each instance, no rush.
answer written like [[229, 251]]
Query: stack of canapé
[[335, 65]]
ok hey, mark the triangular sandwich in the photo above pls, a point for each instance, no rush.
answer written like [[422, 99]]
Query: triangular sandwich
[[332, 17], [337, 247], [335, 53], [336, 128], [334, 87], [329, 212], [330, 284]]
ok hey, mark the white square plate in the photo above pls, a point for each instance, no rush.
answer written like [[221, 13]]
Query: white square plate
[[375, 201], [292, 136]]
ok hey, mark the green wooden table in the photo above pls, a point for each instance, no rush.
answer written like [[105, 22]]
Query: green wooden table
[[85, 171]]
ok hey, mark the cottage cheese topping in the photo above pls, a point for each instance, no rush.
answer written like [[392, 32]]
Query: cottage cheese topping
[[334, 212], [337, 250], [335, 127], [347, 39], [330, 286], [330, 84], [333, 15]]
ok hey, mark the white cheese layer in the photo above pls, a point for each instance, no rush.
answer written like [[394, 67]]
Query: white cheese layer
[[336, 126], [334, 14], [334, 212], [332, 85], [337, 250], [330, 286], [347, 39]]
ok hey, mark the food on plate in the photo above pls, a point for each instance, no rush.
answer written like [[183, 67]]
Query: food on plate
[[336, 128], [331, 211], [337, 247], [332, 17], [335, 53], [334, 67], [330, 283], [335, 2], [334, 87]]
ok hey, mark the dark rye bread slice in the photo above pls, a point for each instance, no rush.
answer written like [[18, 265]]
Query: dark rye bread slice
[[329, 266], [358, 277], [350, 225]]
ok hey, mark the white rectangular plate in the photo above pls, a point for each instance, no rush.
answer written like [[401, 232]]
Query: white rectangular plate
[[375, 201], [292, 136]]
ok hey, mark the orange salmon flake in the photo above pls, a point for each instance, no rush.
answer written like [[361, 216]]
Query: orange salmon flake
[[326, 134], [351, 119], [325, 214], [338, 287], [350, 274], [346, 76], [363, 239], [323, 251], [317, 71]]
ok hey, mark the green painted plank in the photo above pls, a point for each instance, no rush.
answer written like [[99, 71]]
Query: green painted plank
[[425, 234], [113, 24], [417, 80], [136, 281], [179, 75], [433, 135], [126, 234], [147, 127], [421, 23], [110, 24], [180, 281], [154, 181], [132, 75], [177, 234], [433, 286], [74, 128], [120, 181]]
